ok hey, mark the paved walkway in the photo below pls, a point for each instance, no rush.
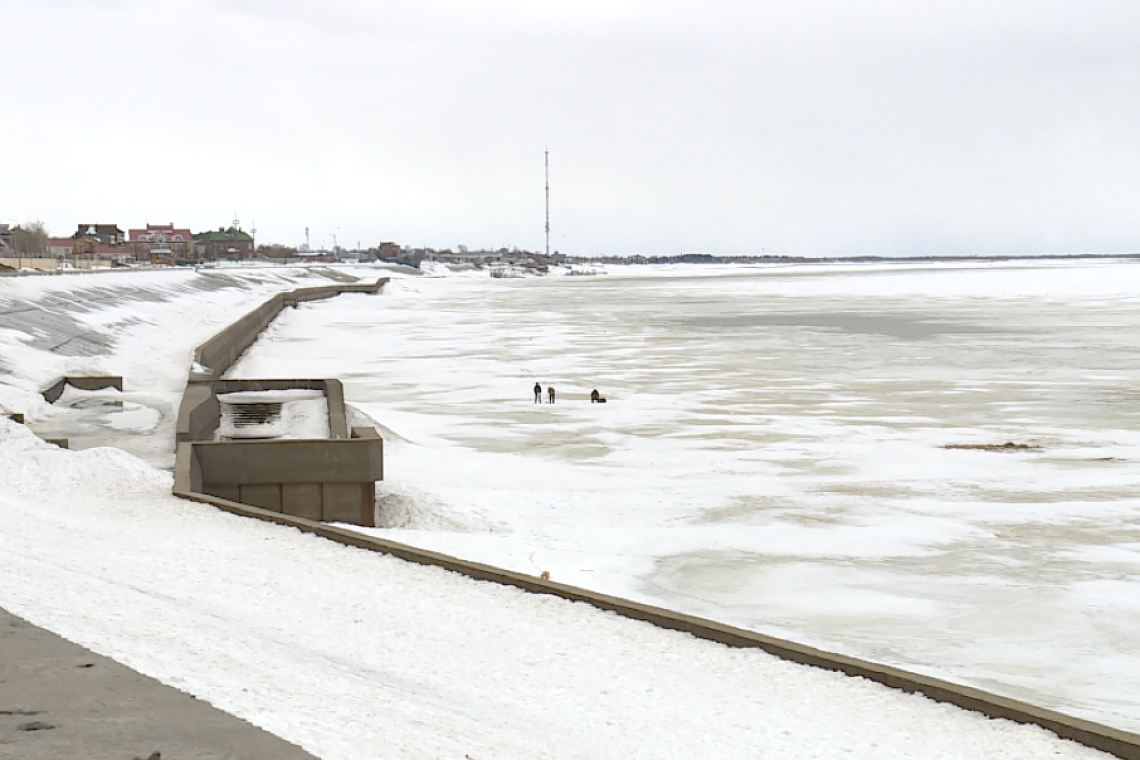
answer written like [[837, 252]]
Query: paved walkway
[[60, 701]]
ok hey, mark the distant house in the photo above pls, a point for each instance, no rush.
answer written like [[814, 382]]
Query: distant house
[[161, 240], [100, 242], [5, 237], [224, 243], [61, 247], [390, 251], [102, 234]]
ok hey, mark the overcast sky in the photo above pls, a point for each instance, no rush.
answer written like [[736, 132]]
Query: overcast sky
[[798, 127]]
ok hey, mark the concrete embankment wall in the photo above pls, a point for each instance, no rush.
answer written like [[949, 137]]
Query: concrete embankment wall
[[189, 482], [330, 479], [220, 352], [56, 389]]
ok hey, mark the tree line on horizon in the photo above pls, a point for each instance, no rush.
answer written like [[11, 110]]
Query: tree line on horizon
[[708, 258]]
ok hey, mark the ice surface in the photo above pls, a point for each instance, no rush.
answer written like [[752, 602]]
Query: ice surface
[[345, 651], [788, 477], [773, 453]]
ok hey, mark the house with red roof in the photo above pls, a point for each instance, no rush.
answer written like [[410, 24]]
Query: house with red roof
[[60, 247], [161, 241]]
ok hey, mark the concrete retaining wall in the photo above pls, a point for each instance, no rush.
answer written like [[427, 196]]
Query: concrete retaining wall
[[27, 262], [220, 352], [55, 390], [333, 481], [330, 479], [200, 412]]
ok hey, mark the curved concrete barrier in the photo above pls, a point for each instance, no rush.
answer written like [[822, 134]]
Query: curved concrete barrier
[[220, 352]]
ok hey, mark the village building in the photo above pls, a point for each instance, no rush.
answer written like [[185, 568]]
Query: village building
[[224, 243], [23, 249], [161, 243], [100, 245], [100, 234], [61, 247]]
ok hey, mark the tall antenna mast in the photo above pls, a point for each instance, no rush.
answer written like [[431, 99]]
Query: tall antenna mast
[[547, 157]]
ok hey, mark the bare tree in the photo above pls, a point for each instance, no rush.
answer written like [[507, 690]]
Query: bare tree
[[30, 239]]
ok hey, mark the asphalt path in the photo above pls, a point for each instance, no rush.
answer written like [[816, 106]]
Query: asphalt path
[[60, 701]]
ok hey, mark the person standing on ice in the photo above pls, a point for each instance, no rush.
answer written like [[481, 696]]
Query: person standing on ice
[[537, 393], [550, 390]]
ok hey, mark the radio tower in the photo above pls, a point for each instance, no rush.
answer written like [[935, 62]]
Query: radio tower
[[547, 156]]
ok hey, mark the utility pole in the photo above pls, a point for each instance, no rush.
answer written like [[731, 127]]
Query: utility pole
[[547, 159]]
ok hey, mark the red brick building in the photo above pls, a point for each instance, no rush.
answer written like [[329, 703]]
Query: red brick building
[[161, 240], [231, 243]]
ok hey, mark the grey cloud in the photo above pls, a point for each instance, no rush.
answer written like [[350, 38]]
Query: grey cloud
[[808, 128]]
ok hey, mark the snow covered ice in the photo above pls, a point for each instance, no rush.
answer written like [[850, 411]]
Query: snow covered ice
[[771, 455]]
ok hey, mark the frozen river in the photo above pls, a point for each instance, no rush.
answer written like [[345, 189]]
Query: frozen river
[[816, 453]]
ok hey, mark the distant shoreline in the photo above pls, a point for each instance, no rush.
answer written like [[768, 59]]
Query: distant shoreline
[[706, 258]]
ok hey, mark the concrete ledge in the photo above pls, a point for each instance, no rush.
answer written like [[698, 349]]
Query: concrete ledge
[[1123, 744], [55, 390]]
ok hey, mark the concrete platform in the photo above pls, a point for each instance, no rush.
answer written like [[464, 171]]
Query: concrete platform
[[59, 700]]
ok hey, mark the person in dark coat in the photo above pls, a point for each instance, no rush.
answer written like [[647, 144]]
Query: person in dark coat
[[594, 396], [537, 393]]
